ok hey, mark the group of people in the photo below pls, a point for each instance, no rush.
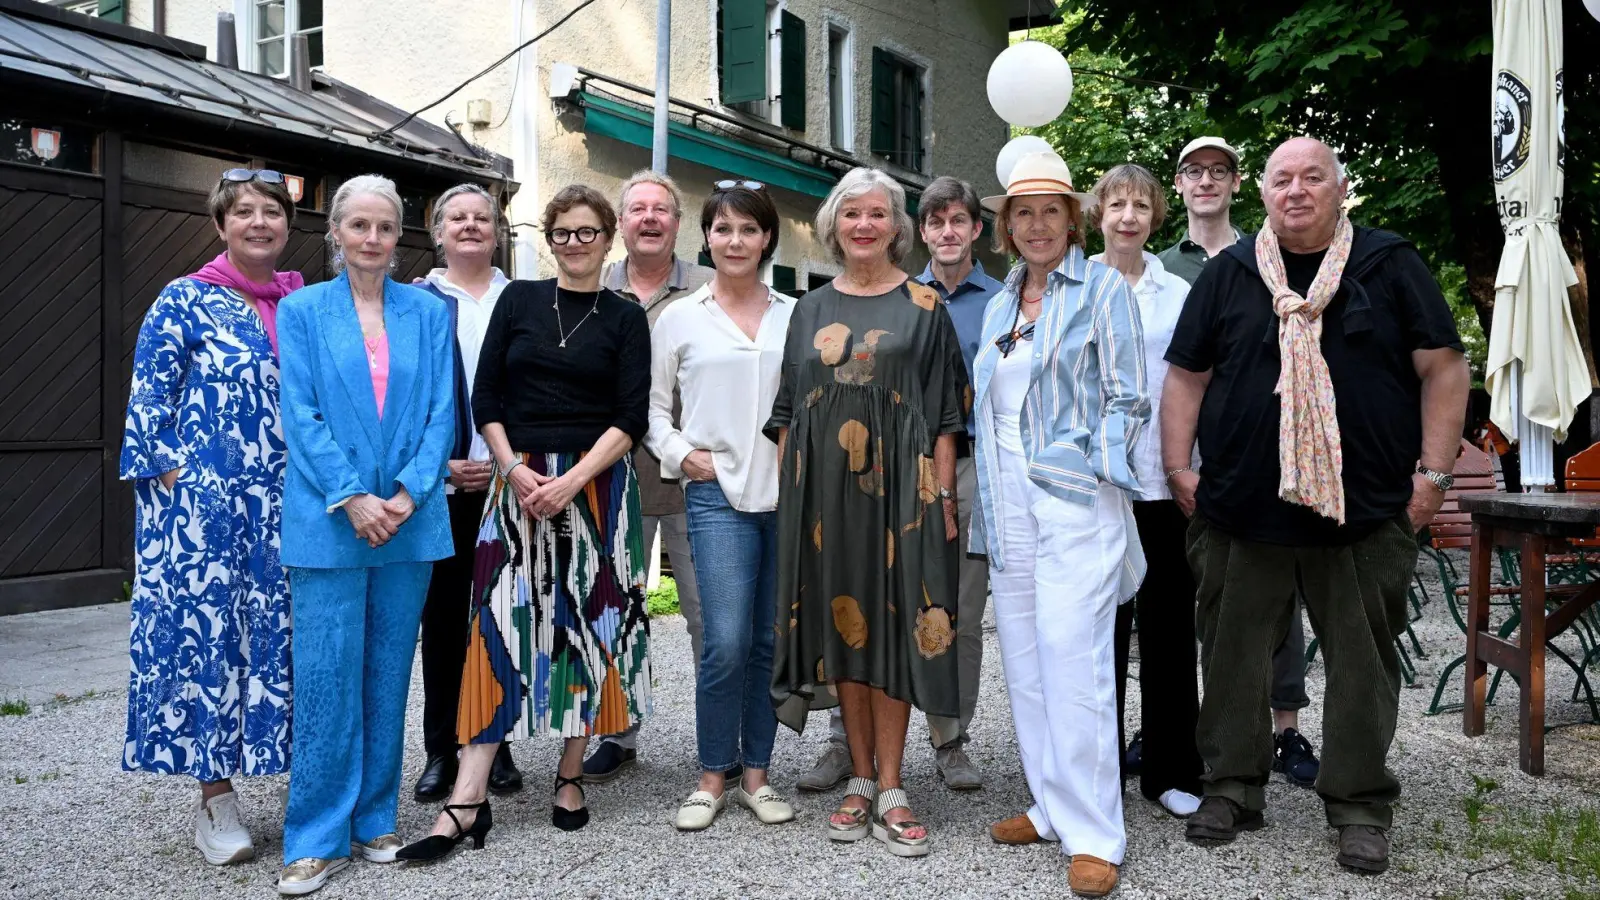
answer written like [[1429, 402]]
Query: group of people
[[840, 481]]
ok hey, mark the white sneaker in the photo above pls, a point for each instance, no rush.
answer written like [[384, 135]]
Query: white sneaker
[[700, 810], [218, 833], [1180, 803]]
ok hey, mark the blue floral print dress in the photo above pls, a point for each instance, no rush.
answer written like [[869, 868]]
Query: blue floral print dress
[[208, 688]]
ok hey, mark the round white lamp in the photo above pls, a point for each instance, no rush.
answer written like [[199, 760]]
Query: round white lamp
[[1017, 148], [1030, 83]]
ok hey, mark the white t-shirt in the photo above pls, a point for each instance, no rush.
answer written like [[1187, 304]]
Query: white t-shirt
[[1008, 389], [727, 383]]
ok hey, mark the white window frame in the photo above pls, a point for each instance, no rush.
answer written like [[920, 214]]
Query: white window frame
[[845, 140], [251, 42]]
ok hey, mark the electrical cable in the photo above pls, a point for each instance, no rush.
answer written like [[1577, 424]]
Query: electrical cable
[[490, 68]]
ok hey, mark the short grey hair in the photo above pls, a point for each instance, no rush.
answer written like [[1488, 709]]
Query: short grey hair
[[360, 186], [436, 228], [650, 176], [856, 183]]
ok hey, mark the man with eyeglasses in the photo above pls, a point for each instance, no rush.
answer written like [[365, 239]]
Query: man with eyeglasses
[[1208, 179], [649, 212]]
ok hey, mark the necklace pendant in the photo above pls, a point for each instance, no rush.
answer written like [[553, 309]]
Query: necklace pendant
[[562, 344]]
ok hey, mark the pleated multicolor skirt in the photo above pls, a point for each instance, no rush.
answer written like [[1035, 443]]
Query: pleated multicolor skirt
[[559, 641]]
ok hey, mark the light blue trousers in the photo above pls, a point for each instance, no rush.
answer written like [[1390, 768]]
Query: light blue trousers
[[355, 632]]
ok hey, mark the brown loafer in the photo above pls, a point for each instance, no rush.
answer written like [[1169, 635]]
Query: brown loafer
[[1091, 876], [1015, 830]]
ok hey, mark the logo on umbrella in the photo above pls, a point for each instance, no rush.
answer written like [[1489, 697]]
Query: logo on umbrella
[[1511, 132]]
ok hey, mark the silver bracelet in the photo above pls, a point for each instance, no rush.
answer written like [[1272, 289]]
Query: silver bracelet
[[510, 468], [1175, 472]]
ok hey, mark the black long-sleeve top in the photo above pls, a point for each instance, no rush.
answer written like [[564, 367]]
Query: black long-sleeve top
[[555, 399]]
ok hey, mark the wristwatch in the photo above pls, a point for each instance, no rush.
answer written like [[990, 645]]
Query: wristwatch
[[946, 494], [1441, 480]]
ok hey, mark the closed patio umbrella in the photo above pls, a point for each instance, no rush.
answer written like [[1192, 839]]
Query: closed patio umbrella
[[1536, 373]]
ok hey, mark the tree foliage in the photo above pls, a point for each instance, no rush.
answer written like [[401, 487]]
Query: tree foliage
[[1400, 87]]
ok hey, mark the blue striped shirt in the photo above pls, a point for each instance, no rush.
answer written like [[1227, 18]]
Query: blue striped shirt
[[1086, 402]]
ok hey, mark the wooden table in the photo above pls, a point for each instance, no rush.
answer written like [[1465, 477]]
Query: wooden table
[[1535, 524]]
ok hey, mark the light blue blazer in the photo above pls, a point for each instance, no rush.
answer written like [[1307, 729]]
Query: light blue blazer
[[1086, 400], [339, 448]]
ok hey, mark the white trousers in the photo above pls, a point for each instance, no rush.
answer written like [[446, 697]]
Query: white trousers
[[1055, 607]]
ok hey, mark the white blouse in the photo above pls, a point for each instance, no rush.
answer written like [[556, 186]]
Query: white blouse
[[727, 383], [1160, 295]]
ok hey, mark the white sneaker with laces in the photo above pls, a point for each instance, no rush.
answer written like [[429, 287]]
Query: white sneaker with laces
[[218, 833]]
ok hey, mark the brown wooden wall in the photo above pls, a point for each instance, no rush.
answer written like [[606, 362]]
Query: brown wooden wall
[[66, 355]]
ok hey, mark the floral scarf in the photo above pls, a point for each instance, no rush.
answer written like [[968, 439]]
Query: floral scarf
[[1310, 459]]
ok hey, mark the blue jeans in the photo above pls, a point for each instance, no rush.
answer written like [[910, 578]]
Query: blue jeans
[[736, 568]]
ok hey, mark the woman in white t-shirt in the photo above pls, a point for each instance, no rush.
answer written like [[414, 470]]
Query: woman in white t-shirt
[[1132, 205], [718, 351]]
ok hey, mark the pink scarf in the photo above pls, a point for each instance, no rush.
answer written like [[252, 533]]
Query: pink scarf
[[1310, 455], [221, 272]]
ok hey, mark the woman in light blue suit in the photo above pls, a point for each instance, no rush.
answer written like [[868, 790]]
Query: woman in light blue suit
[[369, 422]]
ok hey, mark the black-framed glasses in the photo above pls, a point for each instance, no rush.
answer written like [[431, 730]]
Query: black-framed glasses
[[1219, 172], [565, 235], [242, 176], [1008, 342], [729, 184]]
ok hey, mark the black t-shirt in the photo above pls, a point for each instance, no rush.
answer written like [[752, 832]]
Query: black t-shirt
[[555, 399], [1388, 305]]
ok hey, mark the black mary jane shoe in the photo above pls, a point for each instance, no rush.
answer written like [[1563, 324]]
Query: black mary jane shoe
[[435, 847], [504, 778], [569, 819], [438, 778]]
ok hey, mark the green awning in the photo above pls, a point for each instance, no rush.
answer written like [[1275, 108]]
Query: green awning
[[631, 125]]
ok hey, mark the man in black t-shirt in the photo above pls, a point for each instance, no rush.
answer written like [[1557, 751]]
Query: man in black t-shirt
[[1387, 371]]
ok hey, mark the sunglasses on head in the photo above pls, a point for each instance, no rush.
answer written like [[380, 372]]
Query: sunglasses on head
[[730, 184], [241, 176]]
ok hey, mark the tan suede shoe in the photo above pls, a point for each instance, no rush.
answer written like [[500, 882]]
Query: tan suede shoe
[[1091, 876], [1015, 830]]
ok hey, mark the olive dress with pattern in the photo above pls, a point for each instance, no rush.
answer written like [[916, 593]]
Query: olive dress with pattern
[[866, 579]]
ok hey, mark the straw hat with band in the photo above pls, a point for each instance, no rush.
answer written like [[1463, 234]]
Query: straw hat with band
[[1037, 174]]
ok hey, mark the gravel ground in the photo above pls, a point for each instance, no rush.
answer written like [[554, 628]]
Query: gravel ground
[[79, 827]]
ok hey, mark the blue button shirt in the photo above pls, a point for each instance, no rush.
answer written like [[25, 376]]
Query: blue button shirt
[[966, 304]]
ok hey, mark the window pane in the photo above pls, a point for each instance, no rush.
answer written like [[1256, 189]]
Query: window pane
[[47, 144], [269, 19], [310, 15], [270, 57], [178, 169], [314, 48], [414, 208]]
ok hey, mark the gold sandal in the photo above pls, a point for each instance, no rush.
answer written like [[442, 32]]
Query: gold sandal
[[893, 833], [860, 819]]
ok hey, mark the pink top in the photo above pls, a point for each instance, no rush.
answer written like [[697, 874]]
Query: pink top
[[378, 361]]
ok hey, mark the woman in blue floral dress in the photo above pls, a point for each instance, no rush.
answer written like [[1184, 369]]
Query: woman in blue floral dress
[[208, 687]]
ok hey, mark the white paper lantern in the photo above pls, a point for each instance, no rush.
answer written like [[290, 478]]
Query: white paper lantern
[[1593, 6], [1030, 83], [1017, 148]]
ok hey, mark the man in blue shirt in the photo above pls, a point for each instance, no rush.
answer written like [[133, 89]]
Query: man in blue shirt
[[950, 223]]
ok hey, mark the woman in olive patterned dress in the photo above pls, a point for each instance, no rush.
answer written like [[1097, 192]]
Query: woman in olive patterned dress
[[870, 404]]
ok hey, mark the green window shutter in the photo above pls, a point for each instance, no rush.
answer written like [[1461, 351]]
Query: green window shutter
[[783, 279], [111, 11], [792, 65], [704, 259], [744, 50], [883, 72]]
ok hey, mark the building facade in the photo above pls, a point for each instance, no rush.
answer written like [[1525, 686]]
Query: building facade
[[798, 90]]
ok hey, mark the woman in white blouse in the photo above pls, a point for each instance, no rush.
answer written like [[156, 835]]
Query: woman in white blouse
[[719, 351], [1132, 205]]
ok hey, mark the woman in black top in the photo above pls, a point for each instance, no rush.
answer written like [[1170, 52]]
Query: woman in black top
[[559, 640]]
